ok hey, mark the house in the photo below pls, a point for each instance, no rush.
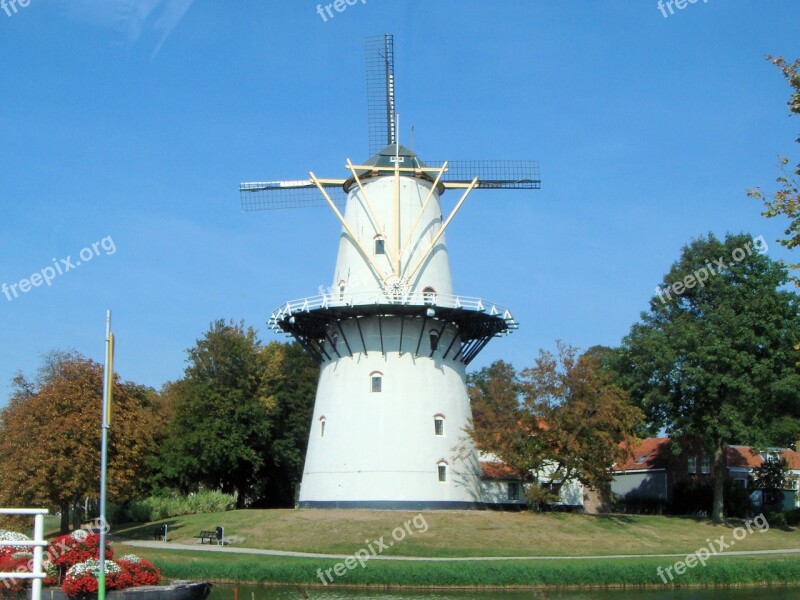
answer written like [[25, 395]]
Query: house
[[504, 489], [656, 465]]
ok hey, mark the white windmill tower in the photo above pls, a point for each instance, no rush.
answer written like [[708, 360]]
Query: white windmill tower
[[392, 337]]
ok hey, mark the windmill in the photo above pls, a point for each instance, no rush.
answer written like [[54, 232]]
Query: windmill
[[392, 337]]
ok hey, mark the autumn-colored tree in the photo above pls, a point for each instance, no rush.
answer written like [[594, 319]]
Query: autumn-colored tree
[[786, 201], [561, 417], [501, 424], [590, 421], [50, 438]]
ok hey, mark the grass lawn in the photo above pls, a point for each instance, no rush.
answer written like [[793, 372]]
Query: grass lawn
[[464, 533], [720, 571]]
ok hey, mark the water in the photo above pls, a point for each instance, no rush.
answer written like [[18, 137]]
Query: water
[[246, 592]]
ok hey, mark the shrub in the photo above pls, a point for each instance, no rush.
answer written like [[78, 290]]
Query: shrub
[[777, 519], [141, 571], [81, 578], [792, 517], [155, 508]]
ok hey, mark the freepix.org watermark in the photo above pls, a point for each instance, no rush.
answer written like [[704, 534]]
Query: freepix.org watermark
[[373, 548], [701, 275], [667, 5], [11, 7], [714, 548], [339, 6], [59, 267]]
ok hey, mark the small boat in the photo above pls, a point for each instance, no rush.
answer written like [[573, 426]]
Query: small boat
[[176, 590]]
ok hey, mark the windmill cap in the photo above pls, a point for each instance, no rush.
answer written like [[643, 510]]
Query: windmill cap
[[386, 158]]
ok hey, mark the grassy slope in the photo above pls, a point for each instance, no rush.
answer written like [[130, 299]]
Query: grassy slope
[[464, 533]]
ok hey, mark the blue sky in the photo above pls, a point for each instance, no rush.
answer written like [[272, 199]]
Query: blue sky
[[138, 120]]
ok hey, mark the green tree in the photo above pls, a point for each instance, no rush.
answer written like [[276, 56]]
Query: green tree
[[290, 378], [223, 420], [786, 201], [240, 418], [50, 438], [714, 358], [773, 474]]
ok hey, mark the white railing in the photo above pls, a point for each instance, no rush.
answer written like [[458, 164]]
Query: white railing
[[37, 544], [382, 297]]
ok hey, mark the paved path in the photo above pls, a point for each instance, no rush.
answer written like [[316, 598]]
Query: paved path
[[236, 550]]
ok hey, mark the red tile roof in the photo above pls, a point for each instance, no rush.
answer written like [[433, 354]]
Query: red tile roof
[[745, 456], [655, 453], [649, 453]]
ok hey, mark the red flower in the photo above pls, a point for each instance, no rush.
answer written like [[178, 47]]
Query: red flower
[[68, 550], [141, 571]]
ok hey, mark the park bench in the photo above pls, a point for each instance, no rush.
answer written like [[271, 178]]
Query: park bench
[[207, 535]]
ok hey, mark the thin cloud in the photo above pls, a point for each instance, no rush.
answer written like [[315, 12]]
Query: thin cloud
[[135, 19]]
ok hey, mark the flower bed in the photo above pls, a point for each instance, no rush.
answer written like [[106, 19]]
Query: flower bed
[[12, 536], [77, 547], [81, 578], [74, 557], [142, 571]]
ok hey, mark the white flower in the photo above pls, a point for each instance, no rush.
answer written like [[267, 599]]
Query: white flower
[[79, 535], [131, 558], [92, 567], [14, 536]]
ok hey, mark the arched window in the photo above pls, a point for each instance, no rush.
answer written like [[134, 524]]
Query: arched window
[[322, 427], [438, 424], [442, 469], [342, 285], [376, 382], [434, 340], [429, 295], [380, 245]]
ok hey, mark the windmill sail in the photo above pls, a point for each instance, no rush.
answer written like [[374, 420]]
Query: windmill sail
[[272, 195], [492, 174], [379, 52]]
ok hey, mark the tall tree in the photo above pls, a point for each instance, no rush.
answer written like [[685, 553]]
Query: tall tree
[[786, 201], [714, 356], [501, 424], [590, 420], [50, 438], [224, 419], [562, 415], [290, 380]]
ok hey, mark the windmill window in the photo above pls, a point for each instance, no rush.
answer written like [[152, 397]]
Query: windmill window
[[380, 246], [442, 472], [322, 427], [438, 425], [341, 290], [434, 340], [376, 382], [429, 295]]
